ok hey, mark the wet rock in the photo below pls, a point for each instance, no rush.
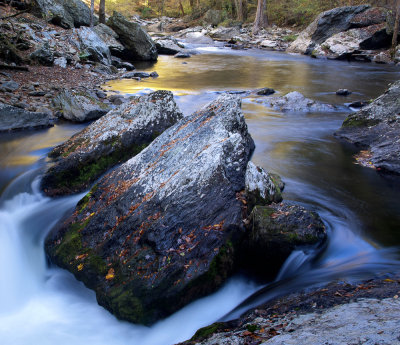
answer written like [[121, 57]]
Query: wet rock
[[110, 38], [79, 106], [44, 55], [101, 94], [137, 42], [65, 13], [182, 55], [91, 43], [296, 102], [382, 58], [13, 118], [276, 230], [115, 137], [269, 44], [168, 46], [154, 74], [128, 66], [265, 91], [343, 92], [358, 104], [158, 232], [9, 86], [376, 128]]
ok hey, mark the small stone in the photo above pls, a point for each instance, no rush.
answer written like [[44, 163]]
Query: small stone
[[358, 104], [101, 94], [61, 62], [10, 86], [265, 91], [37, 93], [343, 92], [154, 74]]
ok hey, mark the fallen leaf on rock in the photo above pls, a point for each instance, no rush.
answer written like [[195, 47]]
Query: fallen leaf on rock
[[111, 274]]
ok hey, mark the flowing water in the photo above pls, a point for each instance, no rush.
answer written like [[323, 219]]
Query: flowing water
[[45, 305]]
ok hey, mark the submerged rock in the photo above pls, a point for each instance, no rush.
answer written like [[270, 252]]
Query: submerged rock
[[115, 137], [159, 231], [137, 42], [79, 106], [377, 128], [296, 102], [12, 118]]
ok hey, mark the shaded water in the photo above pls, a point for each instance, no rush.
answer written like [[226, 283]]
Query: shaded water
[[41, 305]]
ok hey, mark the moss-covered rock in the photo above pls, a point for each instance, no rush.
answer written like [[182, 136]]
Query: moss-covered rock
[[274, 232], [167, 222], [114, 138]]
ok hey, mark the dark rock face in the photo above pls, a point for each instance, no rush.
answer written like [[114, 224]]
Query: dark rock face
[[344, 33], [377, 128], [137, 42], [79, 107], [159, 231], [274, 232], [12, 118], [115, 137], [44, 55], [65, 13], [168, 46], [335, 21]]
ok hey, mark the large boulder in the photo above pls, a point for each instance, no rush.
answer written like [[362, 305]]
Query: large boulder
[[224, 34], [324, 26], [12, 118], [376, 128], [295, 102], [65, 13], [159, 231], [110, 38], [93, 45], [137, 42], [79, 106], [345, 44], [115, 137]]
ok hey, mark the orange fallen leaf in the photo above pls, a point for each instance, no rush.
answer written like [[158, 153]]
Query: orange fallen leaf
[[111, 274]]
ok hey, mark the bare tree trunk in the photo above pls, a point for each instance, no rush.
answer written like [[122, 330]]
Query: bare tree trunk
[[91, 12], [181, 7], [102, 11], [396, 27], [239, 10], [261, 20]]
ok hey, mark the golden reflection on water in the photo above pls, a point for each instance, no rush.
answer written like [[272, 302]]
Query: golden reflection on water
[[219, 72]]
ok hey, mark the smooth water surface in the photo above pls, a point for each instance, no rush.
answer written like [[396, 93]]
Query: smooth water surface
[[42, 305]]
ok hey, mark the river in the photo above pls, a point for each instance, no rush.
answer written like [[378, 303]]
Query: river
[[46, 305]]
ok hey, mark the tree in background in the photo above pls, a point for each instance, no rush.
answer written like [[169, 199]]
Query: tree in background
[[102, 11], [261, 20], [91, 12], [396, 27]]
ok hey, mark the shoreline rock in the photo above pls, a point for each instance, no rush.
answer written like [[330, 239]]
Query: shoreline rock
[[376, 127], [114, 138]]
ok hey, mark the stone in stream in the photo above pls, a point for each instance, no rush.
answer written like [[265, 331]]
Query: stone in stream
[[168, 46], [159, 231], [13, 118], [137, 42], [296, 102], [79, 106], [115, 137], [343, 92], [376, 129]]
